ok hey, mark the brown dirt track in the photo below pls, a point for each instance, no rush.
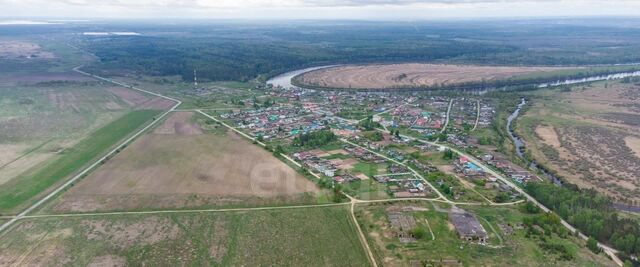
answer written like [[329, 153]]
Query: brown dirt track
[[408, 75], [177, 165]]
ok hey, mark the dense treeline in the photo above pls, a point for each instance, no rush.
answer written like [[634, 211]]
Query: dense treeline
[[590, 212], [237, 59], [368, 124], [244, 51], [315, 139]]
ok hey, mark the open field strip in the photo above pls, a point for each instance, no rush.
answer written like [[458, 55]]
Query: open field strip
[[177, 211], [291, 237], [92, 166], [19, 192], [170, 211]]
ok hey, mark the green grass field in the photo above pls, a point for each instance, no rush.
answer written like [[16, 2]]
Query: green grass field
[[368, 169], [367, 189], [294, 237], [19, 191], [514, 250]]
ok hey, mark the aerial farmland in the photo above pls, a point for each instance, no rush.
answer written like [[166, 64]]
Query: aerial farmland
[[248, 144]]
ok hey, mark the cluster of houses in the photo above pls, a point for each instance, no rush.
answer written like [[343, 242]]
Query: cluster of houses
[[414, 117], [464, 111], [363, 154], [512, 171], [487, 112], [468, 169], [325, 167], [403, 185], [334, 102], [277, 122]]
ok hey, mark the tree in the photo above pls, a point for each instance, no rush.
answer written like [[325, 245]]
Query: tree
[[315, 139], [502, 197], [448, 154], [592, 244], [337, 193], [278, 150], [418, 233]]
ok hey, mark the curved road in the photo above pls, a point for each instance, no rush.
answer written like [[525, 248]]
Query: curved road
[[608, 250]]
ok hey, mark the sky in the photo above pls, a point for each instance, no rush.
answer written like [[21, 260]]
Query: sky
[[316, 9]]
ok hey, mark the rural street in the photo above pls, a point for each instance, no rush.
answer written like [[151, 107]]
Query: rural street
[[446, 122], [24, 214], [475, 125], [608, 250], [440, 195]]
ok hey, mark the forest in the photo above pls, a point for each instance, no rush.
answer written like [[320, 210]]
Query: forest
[[591, 213], [237, 51]]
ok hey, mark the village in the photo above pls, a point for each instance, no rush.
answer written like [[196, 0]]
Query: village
[[376, 160]]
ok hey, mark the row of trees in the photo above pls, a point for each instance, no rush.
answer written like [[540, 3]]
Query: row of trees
[[591, 213], [314, 139]]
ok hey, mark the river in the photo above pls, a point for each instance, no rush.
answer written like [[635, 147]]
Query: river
[[284, 80], [621, 75], [520, 147]]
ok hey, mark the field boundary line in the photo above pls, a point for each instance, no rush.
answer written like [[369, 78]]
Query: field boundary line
[[26, 153], [433, 236], [358, 201], [95, 214], [361, 236], [97, 162]]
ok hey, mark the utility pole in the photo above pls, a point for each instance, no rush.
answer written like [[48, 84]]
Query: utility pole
[[195, 78]]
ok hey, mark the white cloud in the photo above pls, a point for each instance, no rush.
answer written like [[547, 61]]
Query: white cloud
[[320, 9]]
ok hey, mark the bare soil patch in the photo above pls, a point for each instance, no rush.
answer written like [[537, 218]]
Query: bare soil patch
[[131, 97], [409, 75], [36, 78], [19, 49], [548, 135], [179, 123], [140, 100], [147, 231], [14, 163], [177, 168], [157, 103], [633, 143], [108, 261], [8, 152]]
